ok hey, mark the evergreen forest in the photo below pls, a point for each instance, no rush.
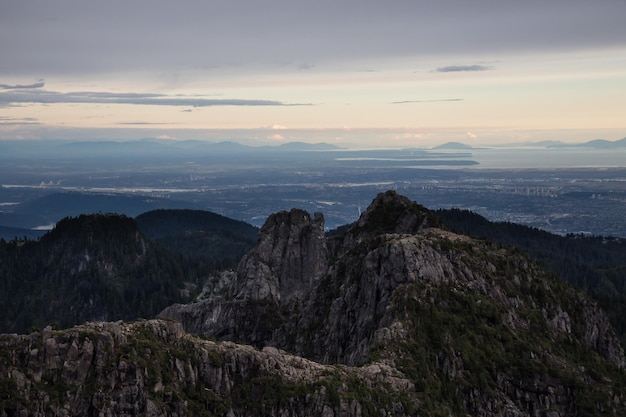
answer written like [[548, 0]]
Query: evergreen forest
[[594, 264]]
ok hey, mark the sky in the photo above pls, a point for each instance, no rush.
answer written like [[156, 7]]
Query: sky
[[354, 73]]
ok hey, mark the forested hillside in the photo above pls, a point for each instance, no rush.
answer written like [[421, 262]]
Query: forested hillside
[[595, 264], [219, 240], [102, 267]]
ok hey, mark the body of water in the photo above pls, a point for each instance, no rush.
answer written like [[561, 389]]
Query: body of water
[[546, 158]]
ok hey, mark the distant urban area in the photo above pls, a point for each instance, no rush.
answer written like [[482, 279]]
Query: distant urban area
[[40, 187]]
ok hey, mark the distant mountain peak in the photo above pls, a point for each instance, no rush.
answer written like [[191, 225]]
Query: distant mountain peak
[[453, 145]]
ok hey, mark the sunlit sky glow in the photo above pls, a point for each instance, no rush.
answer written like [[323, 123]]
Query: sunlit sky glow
[[356, 73]]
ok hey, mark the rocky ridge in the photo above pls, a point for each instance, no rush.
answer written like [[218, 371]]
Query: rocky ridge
[[482, 318], [154, 368], [394, 317]]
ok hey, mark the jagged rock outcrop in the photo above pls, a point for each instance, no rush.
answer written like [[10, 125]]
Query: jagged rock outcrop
[[153, 369], [271, 280], [289, 259], [389, 212], [471, 318]]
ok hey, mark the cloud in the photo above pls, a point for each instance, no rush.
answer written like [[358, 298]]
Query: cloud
[[276, 137], [78, 37], [471, 135], [38, 84], [278, 127], [464, 68], [165, 137], [11, 121], [410, 136], [143, 123], [150, 99], [427, 101]]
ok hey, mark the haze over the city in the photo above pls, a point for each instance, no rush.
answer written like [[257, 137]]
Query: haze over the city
[[356, 74]]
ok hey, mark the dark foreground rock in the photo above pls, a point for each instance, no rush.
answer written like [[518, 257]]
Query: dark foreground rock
[[154, 368]]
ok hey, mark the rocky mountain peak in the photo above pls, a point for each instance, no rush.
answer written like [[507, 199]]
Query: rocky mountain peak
[[481, 322], [391, 212], [291, 255]]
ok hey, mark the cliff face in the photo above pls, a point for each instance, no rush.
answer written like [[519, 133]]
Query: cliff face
[[288, 261], [271, 281], [395, 317], [153, 368]]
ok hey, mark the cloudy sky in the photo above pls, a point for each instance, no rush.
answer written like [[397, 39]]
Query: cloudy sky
[[358, 73]]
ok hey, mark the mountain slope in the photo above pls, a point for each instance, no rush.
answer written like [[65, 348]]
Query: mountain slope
[[219, 240], [91, 267], [478, 329], [594, 264], [152, 368], [393, 317]]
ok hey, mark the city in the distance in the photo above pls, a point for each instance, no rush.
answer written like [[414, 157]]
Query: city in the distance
[[563, 188]]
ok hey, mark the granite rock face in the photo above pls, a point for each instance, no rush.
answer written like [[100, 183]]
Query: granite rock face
[[154, 368], [278, 275], [288, 261], [340, 288], [361, 296]]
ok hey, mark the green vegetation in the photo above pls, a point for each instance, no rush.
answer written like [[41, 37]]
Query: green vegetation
[[103, 267], [459, 343], [221, 242], [96, 267], [262, 392], [594, 264]]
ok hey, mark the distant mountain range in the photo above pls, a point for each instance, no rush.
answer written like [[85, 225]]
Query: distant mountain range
[[146, 147], [159, 148], [595, 144]]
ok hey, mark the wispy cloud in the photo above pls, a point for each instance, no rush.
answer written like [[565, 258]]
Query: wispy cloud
[[426, 101], [16, 96], [38, 84], [464, 68], [143, 123], [10, 121], [306, 66]]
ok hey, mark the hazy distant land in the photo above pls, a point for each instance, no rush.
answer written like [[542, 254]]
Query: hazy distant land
[[563, 188]]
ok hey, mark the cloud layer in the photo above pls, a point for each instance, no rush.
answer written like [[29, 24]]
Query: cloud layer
[[454, 65], [25, 96], [463, 68], [38, 84], [77, 37], [427, 101]]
